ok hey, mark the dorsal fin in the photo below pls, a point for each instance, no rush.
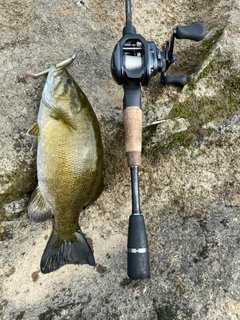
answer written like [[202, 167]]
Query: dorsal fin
[[34, 145], [34, 130]]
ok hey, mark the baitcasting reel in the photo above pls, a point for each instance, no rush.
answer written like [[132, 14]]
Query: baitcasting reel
[[137, 60]]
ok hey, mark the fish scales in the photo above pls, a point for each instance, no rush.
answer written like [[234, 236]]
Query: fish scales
[[69, 165]]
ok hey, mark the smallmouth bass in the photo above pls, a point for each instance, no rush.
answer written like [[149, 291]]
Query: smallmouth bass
[[69, 168]]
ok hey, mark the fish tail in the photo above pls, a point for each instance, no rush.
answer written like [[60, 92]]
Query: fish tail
[[58, 253]]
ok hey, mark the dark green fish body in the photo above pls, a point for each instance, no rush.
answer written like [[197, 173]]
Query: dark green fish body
[[69, 165]]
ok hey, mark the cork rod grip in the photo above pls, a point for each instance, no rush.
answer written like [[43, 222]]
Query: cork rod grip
[[132, 121]]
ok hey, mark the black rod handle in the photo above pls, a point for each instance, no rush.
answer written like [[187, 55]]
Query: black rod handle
[[195, 31], [138, 256]]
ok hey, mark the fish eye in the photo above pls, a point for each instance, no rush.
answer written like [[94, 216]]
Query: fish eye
[[69, 81]]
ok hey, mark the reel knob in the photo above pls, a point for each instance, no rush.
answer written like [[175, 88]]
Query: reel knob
[[178, 81]]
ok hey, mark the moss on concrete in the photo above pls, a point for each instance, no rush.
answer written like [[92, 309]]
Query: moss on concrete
[[208, 43], [22, 184], [170, 311], [200, 110]]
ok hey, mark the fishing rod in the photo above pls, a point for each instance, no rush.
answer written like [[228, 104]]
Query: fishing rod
[[134, 62]]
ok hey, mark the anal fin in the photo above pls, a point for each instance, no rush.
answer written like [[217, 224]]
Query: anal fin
[[38, 209]]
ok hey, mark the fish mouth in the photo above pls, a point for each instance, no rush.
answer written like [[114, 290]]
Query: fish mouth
[[56, 71]]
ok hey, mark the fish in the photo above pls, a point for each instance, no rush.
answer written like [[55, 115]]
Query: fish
[[69, 148]]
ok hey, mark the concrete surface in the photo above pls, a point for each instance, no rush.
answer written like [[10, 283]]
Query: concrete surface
[[189, 180]]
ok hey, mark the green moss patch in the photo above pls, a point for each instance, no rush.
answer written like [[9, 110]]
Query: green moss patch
[[200, 110], [207, 44]]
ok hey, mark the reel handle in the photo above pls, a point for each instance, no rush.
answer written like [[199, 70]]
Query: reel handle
[[195, 31], [138, 256]]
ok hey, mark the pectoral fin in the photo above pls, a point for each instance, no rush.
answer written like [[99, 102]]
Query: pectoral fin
[[65, 116], [38, 209], [34, 130]]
